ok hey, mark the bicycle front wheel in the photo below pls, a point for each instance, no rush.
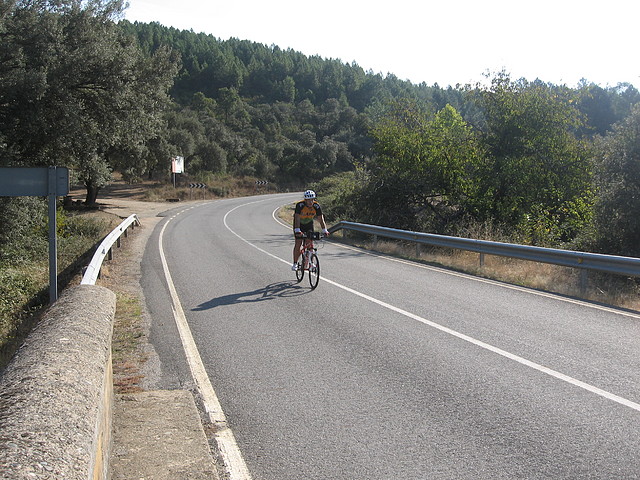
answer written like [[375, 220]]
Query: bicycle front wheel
[[314, 270], [300, 269]]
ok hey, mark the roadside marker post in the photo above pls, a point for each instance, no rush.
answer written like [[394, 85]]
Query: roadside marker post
[[197, 185]]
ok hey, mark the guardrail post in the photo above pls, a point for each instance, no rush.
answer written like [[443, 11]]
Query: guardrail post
[[110, 254], [584, 281], [482, 259], [417, 250], [375, 242]]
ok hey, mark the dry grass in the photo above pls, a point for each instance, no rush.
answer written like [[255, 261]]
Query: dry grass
[[601, 288], [285, 213], [127, 344], [216, 187]]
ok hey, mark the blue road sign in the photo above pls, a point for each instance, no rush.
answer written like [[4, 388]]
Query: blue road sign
[[48, 182], [34, 182]]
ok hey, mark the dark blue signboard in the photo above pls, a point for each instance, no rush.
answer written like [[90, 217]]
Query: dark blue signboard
[[48, 182], [34, 182]]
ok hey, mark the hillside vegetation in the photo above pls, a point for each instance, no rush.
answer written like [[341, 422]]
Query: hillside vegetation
[[509, 159], [534, 161]]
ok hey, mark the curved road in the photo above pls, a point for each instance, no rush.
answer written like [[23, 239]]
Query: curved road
[[389, 369]]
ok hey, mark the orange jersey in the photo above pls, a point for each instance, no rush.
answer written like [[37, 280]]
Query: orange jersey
[[307, 214]]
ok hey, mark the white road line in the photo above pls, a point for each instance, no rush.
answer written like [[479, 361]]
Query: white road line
[[233, 461], [523, 361]]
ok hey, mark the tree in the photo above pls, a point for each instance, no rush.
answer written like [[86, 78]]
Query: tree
[[626, 97], [285, 90], [618, 182], [597, 104], [538, 175], [429, 164], [228, 100], [79, 90]]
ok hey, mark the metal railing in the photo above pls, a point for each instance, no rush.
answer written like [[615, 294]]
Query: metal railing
[[568, 258], [93, 269]]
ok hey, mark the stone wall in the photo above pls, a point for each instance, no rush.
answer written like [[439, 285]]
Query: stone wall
[[56, 395]]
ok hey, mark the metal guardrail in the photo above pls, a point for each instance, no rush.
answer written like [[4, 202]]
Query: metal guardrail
[[568, 258], [93, 269]]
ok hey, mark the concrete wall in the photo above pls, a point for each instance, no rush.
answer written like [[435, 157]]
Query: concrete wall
[[56, 395]]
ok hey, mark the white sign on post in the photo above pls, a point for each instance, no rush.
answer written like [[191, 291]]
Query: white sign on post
[[177, 165]]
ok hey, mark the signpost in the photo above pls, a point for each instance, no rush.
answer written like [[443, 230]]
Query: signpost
[[50, 182], [197, 185], [177, 166]]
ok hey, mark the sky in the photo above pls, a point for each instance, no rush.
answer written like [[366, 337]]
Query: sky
[[447, 42]]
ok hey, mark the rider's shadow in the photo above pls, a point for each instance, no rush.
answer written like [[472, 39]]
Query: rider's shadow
[[270, 292]]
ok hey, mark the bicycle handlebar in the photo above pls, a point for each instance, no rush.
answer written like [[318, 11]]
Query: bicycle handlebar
[[310, 235]]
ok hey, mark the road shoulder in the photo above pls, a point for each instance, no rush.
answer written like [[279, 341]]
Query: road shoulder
[[158, 435]]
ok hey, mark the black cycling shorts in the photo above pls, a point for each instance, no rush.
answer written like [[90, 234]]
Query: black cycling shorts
[[305, 228]]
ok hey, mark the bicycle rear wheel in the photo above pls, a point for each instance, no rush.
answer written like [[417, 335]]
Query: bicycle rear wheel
[[314, 270], [300, 269]]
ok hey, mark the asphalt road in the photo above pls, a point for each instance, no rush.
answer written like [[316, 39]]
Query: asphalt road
[[389, 369]]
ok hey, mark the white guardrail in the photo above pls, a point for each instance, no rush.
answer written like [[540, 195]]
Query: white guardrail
[[568, 258], [93, 269]]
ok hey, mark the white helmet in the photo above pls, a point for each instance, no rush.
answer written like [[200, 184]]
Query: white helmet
[[309, 195]]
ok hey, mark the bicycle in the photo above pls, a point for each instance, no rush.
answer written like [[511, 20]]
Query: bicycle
[[308, 259]]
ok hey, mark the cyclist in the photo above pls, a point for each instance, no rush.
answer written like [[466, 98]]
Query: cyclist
[[305, 212]]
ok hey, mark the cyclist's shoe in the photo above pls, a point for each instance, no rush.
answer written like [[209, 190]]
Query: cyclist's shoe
[[294, 267]]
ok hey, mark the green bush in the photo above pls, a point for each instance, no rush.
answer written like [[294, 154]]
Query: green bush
[[342, 195], [24, 262], [23, 230], [17, 288], [81, 226]]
